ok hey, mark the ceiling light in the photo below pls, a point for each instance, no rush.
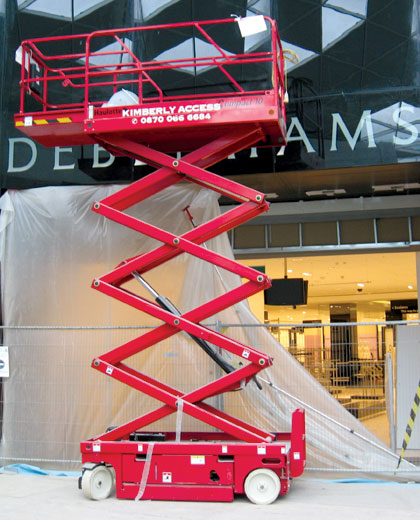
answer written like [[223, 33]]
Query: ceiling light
[[360, 285], [397, 187], [306, 274], [410, 287], [326, 193]]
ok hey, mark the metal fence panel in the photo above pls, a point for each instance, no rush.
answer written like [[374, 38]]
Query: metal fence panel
[[50, 372]]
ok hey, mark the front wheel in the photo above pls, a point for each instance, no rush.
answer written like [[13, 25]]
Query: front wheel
[[97, 483], [262, 486]]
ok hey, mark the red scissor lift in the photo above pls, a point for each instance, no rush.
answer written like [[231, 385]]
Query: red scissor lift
[[149, 125]]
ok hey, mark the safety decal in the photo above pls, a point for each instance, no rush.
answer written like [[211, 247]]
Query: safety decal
[[198, 460]]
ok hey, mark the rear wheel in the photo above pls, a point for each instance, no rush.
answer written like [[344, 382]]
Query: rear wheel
[[262, 486]]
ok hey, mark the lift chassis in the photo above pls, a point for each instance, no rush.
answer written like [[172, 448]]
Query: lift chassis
[[201, 466], [150, 124]]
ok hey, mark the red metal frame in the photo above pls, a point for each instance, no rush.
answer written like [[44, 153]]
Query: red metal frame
[[111, 284], [210, 127]]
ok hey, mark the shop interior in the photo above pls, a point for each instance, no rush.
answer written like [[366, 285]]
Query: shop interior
[[346, 328], [367, 283]]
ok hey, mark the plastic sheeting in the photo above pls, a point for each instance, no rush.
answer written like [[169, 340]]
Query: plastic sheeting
[[53, 246], [28, 469]]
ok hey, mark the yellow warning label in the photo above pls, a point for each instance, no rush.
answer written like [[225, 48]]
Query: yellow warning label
[[31, 121]]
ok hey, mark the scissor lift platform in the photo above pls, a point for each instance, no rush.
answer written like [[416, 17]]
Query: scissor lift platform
[[114, 98], [158, 116]]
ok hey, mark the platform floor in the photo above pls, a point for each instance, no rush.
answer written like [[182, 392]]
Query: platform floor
[[33, 497]]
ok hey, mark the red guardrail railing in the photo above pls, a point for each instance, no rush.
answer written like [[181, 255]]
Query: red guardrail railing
[[109, 61]]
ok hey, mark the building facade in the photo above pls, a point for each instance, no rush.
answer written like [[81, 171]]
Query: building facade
[[344, 192], [346, 186]]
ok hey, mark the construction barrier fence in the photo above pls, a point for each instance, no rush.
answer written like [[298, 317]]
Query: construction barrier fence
[[51, 399]]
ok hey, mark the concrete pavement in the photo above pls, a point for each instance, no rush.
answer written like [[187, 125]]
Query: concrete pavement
[[33, 497]]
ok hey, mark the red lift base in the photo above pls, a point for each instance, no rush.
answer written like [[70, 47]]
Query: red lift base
[[210, 126], [200, 467]]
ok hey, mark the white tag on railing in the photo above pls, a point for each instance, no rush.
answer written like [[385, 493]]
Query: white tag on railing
[[18, 55], [251, 25]]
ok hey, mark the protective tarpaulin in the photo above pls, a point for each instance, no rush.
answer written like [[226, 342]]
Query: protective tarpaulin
[[53, 246]]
